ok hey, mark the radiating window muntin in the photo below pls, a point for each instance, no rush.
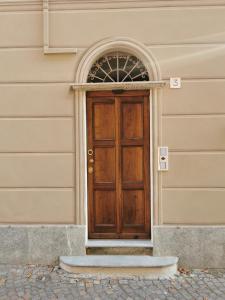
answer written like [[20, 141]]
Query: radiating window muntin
[[118, 67]]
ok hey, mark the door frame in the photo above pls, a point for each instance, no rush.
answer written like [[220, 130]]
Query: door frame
[[81, 161], [141, 51]]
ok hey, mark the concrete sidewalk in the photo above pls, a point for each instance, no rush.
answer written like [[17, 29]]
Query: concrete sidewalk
[[46, 282]]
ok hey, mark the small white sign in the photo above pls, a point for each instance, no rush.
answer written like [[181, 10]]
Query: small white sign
[[175, 83]]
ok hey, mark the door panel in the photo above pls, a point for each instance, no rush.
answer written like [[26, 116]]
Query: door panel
[[132, 116], [119, 167], [104, 121], [132, 164], [105, 163], [133, 208], [105, 210]]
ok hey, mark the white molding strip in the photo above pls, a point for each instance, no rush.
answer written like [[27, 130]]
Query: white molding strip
[[47, 49], [106, 86]]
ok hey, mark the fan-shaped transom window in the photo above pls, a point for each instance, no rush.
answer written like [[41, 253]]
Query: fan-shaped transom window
[[118, 67]]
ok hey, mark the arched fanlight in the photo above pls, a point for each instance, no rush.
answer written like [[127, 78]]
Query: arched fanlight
[[118, 67]]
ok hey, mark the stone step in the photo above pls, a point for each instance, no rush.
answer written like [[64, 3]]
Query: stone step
[[121, 265], [119, 243], [119, 247], [119, 251]]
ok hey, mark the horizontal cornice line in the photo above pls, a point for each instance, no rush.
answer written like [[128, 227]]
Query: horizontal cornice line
[[57, 7], [203, 115], [24, 153], [105, 4], [35, 188], [152, 3], [21, 48], [14, 48], [35, 153], [195, 224], [193, 188], [71, 83], [15, 117], [26, 8], [186, 44], [197, 78], [36, 82], [194, 151], [153, 45]]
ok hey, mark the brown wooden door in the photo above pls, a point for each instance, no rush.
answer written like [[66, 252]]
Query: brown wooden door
[[119, 167]]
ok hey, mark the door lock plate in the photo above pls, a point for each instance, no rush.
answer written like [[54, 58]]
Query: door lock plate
[[90, 170]]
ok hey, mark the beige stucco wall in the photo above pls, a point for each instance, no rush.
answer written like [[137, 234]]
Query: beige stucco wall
[[37, 139]]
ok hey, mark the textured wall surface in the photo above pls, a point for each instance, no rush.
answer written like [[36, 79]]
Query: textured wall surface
[[37, 126], [26, 244], [196, 246]]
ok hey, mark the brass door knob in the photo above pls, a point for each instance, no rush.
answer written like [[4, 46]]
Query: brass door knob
[[90, 170], [91, 160]]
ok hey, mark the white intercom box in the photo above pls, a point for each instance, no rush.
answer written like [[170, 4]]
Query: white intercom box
[[163, 159]]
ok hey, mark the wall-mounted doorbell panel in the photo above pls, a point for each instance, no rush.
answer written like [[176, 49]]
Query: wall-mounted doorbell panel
[[163, 159]]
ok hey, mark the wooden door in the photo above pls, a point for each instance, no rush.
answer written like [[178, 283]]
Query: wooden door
[[118, 165]]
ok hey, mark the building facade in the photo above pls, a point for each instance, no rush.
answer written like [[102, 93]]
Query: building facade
[[92, 96]]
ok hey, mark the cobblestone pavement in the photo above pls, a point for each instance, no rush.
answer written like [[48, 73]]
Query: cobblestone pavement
[[45, 282]]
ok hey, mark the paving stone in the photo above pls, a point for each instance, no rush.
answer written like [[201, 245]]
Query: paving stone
[[43, 282]]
